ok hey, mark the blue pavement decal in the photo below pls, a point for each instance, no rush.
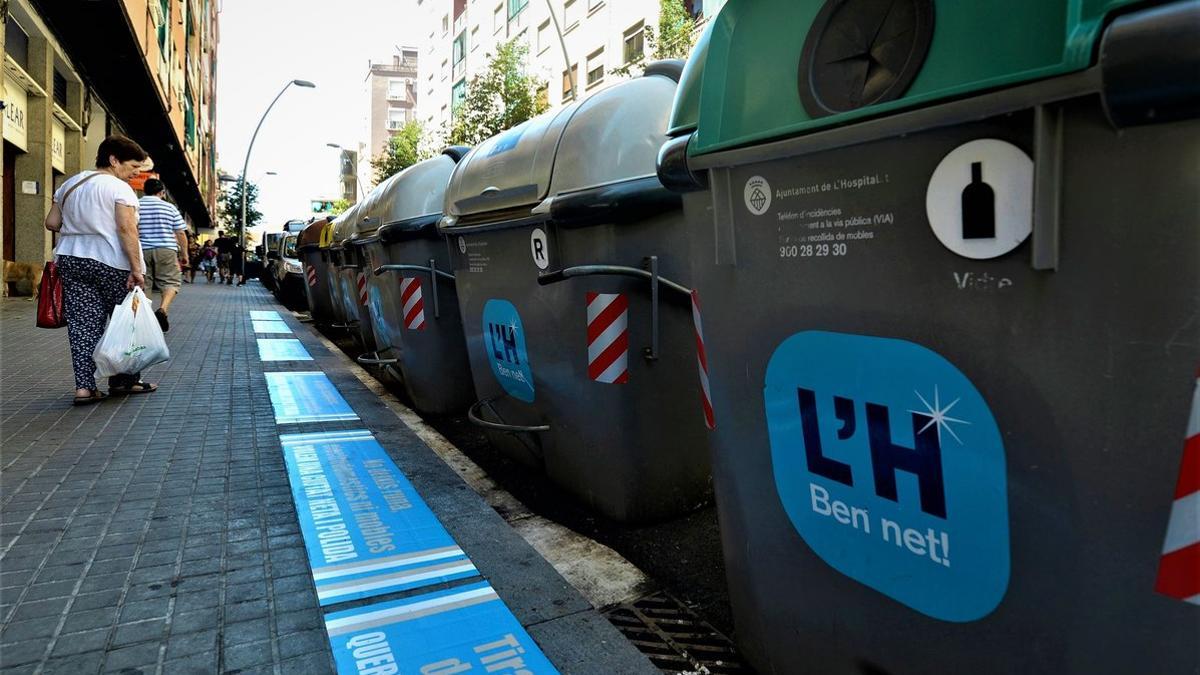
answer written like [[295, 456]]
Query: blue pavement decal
[[282, 349], [263, 314], [306, 397], [366, 529], [463, 630], [261, 326]]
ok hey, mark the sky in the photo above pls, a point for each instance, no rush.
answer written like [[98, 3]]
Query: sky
[[264, 44]]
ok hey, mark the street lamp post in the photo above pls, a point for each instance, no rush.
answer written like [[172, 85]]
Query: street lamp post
[[246, 164], [354, 155]]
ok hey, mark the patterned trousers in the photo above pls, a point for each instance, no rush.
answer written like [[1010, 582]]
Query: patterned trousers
[[91, 290]]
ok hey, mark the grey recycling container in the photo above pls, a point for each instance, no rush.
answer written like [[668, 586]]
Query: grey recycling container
[[353, 270], [949, 280], [314, 259], [571, 272], [333, 258], [413, 301]]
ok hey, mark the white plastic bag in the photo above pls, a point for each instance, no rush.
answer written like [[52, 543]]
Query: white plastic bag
[[133, 341]]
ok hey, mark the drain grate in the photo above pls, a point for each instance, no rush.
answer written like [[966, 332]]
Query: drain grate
[[674, 638]]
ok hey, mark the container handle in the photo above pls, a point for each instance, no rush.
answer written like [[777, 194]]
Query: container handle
[[434, 274], [651, 275], [343, 326], [474, 418], [347, 267], [372, 359]]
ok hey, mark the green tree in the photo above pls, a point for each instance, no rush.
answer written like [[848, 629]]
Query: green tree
[[339, 207], [673, 38], [501, 97], [402, 151], [231, 205]]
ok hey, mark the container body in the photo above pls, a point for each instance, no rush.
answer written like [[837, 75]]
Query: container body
[[354, 298], [426, 339], [930, 454], [626, 434], [316, 284]]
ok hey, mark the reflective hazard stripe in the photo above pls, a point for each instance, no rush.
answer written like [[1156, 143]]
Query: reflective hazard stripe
[[608, 337], [413, 303], [1179, 568], [702, 364]]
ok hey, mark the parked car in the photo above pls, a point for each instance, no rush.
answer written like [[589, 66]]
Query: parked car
[[288, 279]]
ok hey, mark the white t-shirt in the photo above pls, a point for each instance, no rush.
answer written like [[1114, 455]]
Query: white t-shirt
[[89, 219]]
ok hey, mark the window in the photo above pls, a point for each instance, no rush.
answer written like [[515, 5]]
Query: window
[[498, 19], [164, 28], [543, 36], [594, 5], [459, 53], [445, 70], [445, 24], [571, 14], [60, 88], [189, 119], [457, 95], [635, 42], [396, 89], [515, 7], [595, 67], [475, 38], [16, 42], [396, 118], [566, 81]]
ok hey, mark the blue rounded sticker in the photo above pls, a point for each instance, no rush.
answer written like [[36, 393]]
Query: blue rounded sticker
[[504, 339], [891, 467]]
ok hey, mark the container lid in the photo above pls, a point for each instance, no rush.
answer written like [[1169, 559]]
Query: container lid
[[311, 235], [413, 203], [508, 170], [829, 63], [370, 212], [615, 134], [342, 225]]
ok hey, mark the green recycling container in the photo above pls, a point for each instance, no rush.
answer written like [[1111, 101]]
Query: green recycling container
[[948, 265]]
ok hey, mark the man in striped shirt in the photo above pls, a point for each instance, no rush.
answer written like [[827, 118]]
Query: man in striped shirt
[[164, 245]]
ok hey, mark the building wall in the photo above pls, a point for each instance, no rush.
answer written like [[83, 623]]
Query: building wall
[[595, 28], [37, 167], [384, 102]]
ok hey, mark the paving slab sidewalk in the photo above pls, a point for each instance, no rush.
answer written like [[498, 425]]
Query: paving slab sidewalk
[[157, 534]]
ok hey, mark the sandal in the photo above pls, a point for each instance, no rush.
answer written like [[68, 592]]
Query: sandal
[[135, 388], [95, 397]]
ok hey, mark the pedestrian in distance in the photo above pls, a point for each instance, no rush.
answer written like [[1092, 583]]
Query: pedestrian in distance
[[164, 246], [193, 257], [99, 257], [225, 250], [208, 260]]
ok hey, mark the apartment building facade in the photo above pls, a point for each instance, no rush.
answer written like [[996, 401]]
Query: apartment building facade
[[391, 93], [460, 35], [75, 72]]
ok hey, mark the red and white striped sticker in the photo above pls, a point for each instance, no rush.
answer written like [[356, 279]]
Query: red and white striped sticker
[[702, 363], [608, 337], [311, 275], [412, 302], [1179, 567], [362, 289]]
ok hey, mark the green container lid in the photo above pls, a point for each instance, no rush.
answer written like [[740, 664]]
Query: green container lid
[[769, 69]]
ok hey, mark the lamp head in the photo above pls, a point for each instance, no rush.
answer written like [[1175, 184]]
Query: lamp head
[[304, 83]]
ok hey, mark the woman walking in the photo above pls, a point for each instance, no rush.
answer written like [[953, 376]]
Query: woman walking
[[99, 257], [208, 260]]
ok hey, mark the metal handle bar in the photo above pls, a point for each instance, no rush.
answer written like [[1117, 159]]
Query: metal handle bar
[[347, 267], [651, 275], [474, 418], [343, 326], [613, 270], [412, 268], [372, 359], [434, 273]]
